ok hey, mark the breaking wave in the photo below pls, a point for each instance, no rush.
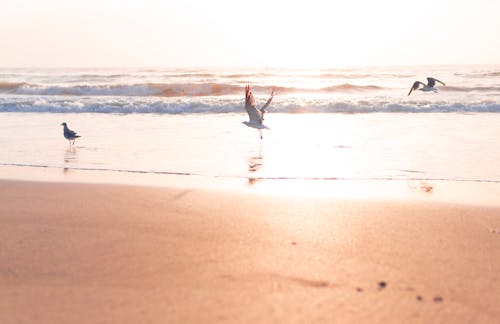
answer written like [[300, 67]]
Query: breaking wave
[[487, 74], [196, 89], [470, 89], [191, 91], [166, 89], [10, 87]]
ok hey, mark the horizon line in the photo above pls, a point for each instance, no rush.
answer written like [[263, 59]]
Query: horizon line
[[270, 67]]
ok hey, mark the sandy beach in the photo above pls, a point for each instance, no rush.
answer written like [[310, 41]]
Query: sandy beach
[[85, 253], [265, 162]]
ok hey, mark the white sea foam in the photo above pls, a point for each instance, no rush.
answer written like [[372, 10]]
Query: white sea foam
[[210, 105]]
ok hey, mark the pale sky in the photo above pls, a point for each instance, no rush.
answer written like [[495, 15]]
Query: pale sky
[[258, 33]]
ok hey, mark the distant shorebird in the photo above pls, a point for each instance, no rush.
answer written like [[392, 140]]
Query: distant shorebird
[[69, 134], [255, 115], [425, 87]]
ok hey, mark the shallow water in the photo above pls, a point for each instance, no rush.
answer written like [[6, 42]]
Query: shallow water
[[393, 146]]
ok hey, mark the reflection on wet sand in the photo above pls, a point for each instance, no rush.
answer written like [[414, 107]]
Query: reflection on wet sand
[[426, 187], [255, 163], [422, 186], [70, 156]]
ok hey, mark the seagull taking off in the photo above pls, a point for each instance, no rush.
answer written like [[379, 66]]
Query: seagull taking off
[[255, 115], [425, 87], [69, 134]]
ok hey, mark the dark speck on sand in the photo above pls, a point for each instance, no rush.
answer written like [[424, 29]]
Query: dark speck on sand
[[438, 299]]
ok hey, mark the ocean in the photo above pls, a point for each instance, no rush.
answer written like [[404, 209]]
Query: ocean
[[324, 125], [191, 91]]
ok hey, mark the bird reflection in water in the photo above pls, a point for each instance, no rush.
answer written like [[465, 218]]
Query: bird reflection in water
[[255, 163], [70, 156]]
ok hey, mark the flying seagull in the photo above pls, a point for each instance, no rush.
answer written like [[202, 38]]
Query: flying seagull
[[425, 87], [255, 115], [69, 134]]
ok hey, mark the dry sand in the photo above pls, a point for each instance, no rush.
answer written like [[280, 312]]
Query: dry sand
[[80, 253]]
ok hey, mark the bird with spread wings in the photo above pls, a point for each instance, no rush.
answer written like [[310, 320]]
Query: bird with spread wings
[[255, 115], [431, 82]]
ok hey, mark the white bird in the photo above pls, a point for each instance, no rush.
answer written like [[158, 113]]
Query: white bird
[[69, 134], [255, 115], [425, 87]]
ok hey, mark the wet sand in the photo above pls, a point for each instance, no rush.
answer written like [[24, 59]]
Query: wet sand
[[86, 253]]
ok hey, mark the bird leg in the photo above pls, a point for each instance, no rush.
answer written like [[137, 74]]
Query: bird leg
[[260, 132]]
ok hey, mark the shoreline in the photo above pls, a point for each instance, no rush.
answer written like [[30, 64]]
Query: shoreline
[[468, 192], [127, 254]]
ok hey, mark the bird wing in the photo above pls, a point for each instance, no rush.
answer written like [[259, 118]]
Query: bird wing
[[69, 133], [431, 82], [268, 102], [72, 133], [415, 86], [254, 114]]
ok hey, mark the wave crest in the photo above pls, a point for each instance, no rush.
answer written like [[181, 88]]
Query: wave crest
[[470, 89], [167, 89], [8, 87]]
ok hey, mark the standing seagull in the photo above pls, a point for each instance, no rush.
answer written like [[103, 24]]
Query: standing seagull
[[425, 87], [69, 134], [255, 115]]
